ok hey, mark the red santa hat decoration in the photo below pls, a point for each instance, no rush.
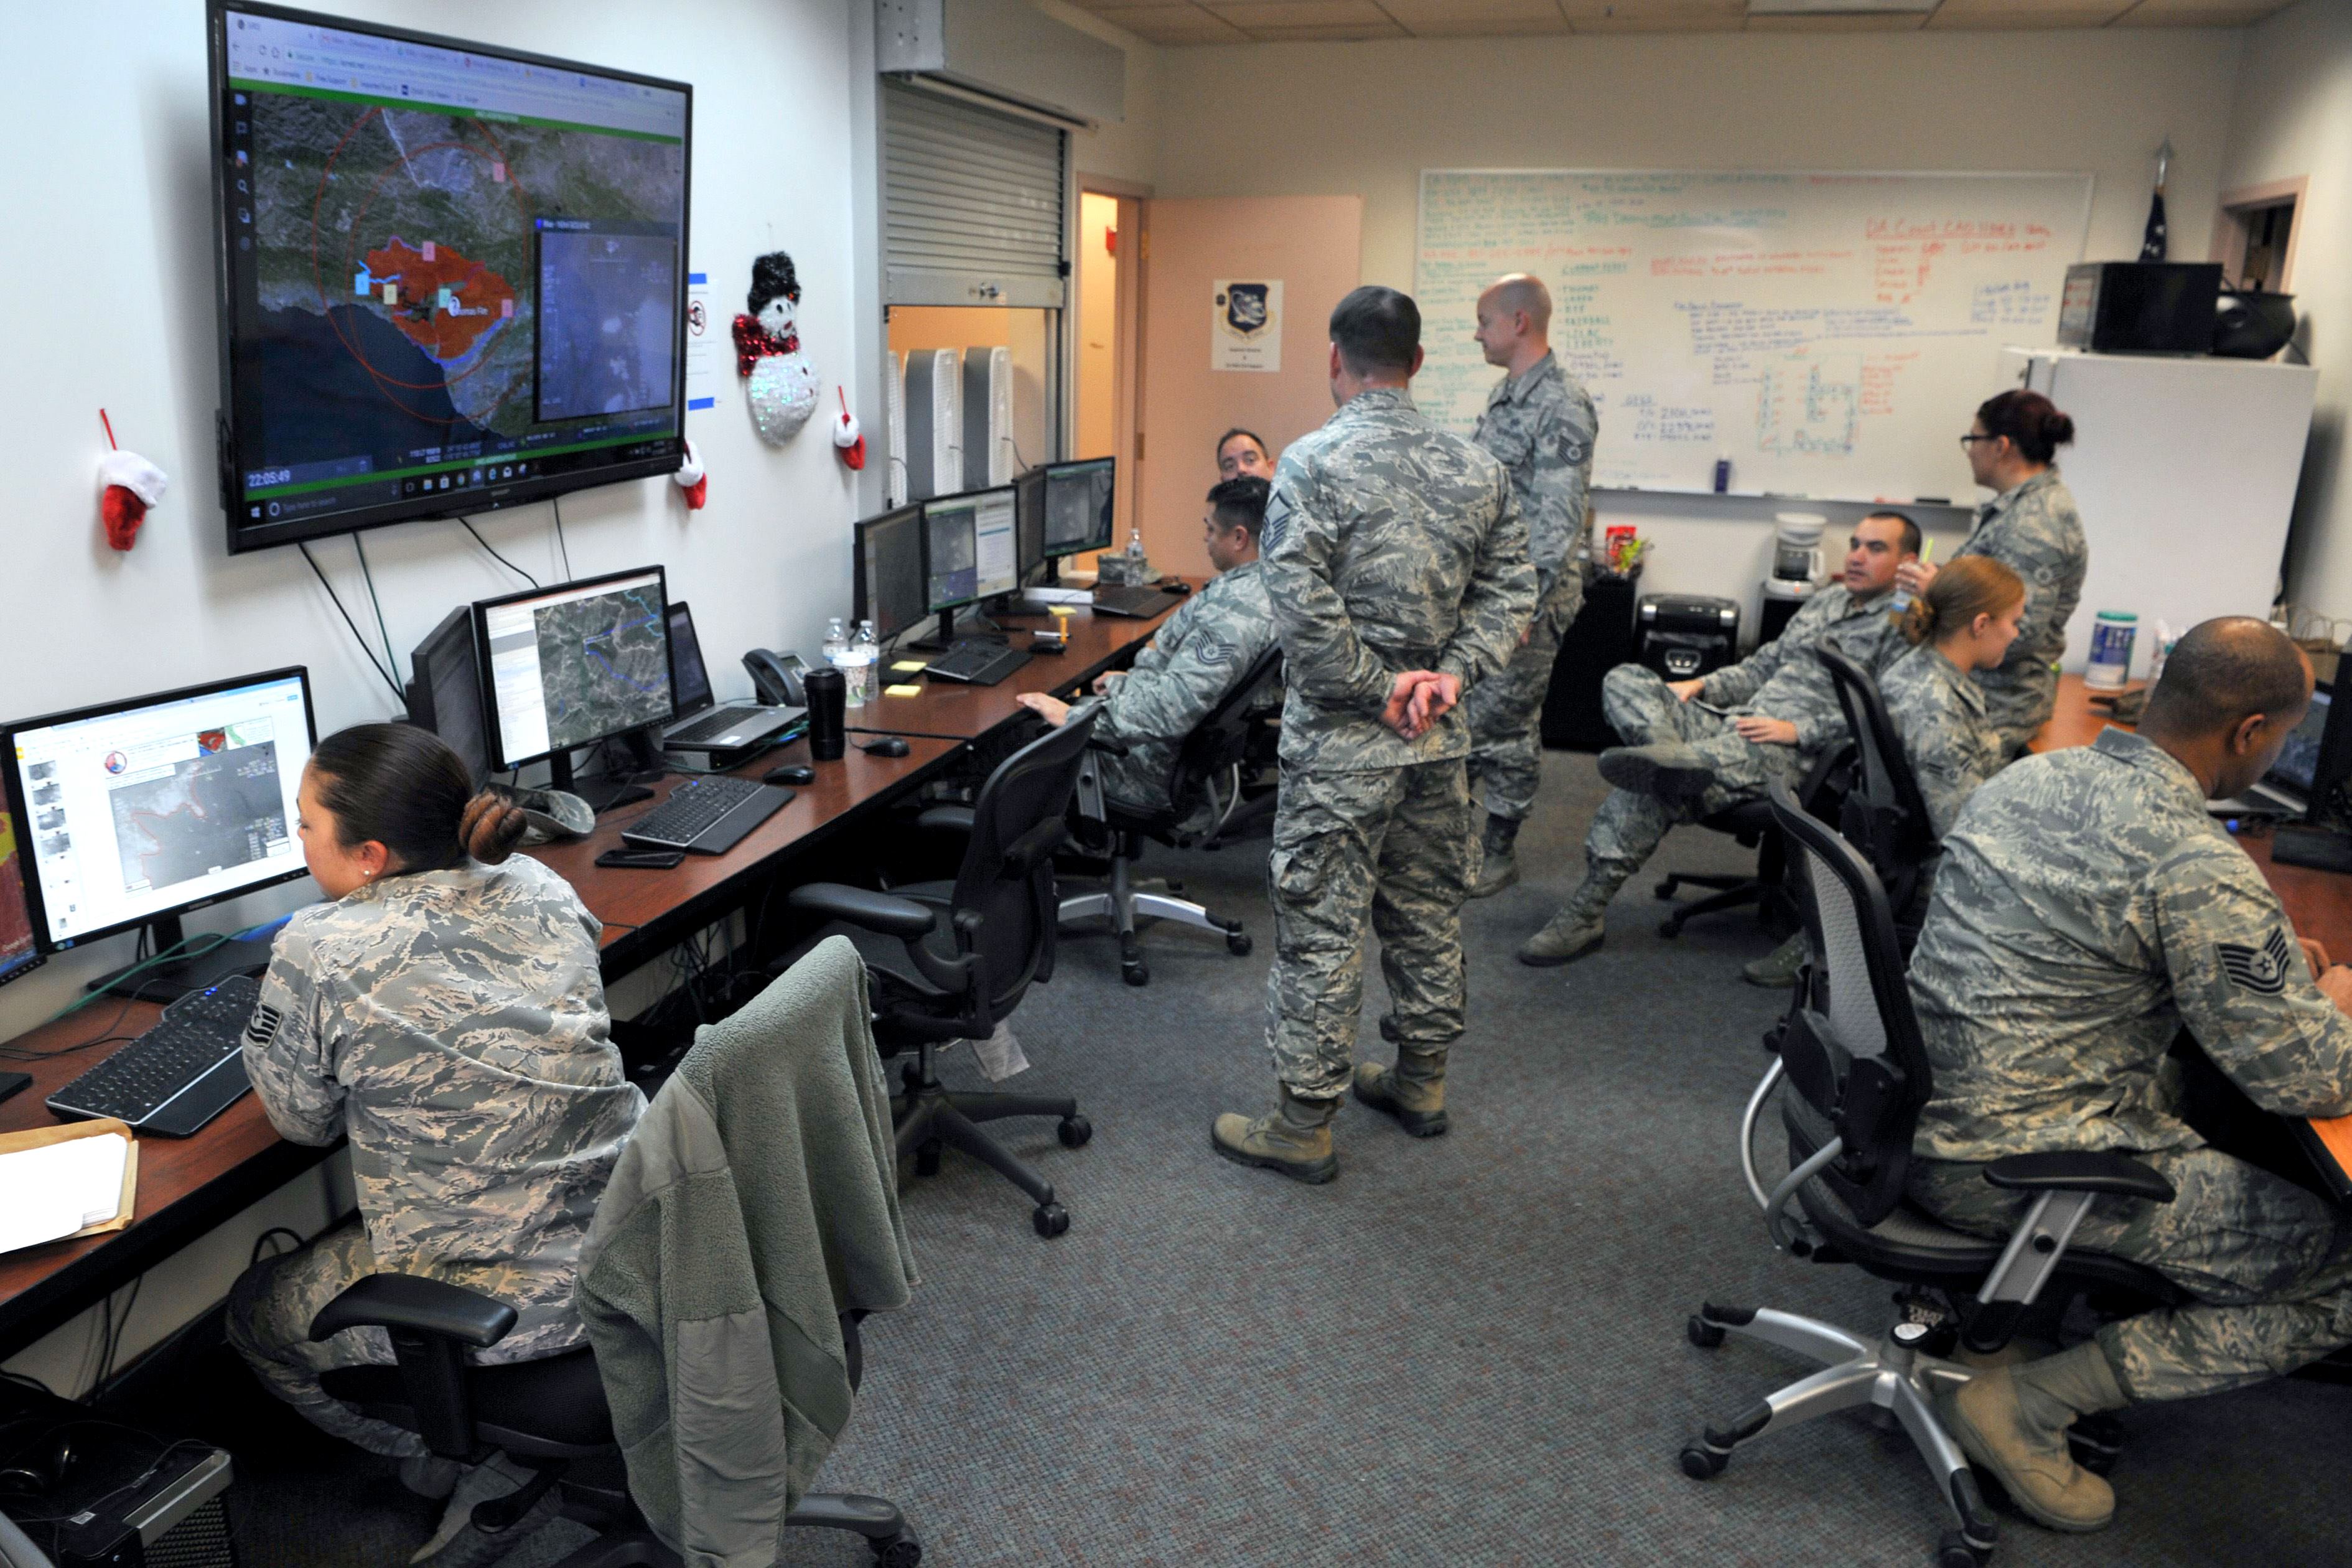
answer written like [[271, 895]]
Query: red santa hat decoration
[[691, 478], [128, 484]]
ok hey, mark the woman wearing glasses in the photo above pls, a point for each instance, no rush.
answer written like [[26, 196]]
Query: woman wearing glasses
[[2031, 526]]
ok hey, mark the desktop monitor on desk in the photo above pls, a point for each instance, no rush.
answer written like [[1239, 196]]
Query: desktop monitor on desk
[[892, 591], [133, 814], [572, 664], [969, 552], [1078, 500], [445, 691], [19, 954]]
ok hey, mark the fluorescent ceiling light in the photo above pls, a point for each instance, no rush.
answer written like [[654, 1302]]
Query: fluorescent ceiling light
[[1840, 7]]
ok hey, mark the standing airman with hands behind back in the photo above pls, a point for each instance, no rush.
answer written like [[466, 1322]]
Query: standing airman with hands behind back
[[1397, 567]]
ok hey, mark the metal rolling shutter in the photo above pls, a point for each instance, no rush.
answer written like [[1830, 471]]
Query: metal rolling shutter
[[972, 204]]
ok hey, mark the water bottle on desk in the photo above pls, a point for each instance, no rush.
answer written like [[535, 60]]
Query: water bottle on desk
[[838, 656], [864, 663]]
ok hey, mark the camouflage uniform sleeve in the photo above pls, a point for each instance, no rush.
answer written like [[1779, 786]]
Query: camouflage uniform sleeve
[[1946, 747], [2242, 988], [1500, 600], [1322, 654], [289, 1045], [1560, 487], [1205, 653], [1736, 683]]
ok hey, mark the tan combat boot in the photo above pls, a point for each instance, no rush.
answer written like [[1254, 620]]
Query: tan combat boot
[[1294, 1140], [1669, 770], [1496, 861], [1777, 970], [1573, 933], [1414, 1091], [2013, 1422]]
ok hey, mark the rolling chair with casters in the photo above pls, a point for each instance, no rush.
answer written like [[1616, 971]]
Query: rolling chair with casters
[[1851, 1074], [949, 960], [1749, 825], [1882, 814], [550, 1416], [1207, 779]]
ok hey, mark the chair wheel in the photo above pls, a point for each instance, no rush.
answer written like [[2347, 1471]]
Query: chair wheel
[[1703, 1334], [1701, 1463], [1671, 927], [901, 1551], [927, 1157], [1953, 1551], [1237, 943], [1051, 1220], [1075, 1130], [1136, 973]]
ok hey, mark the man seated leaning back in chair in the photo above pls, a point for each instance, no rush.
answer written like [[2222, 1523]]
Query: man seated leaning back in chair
[[2087, 909], [1200, 652]]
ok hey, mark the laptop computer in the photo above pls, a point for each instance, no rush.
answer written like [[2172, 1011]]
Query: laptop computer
[[2287, 787], [703, 724]]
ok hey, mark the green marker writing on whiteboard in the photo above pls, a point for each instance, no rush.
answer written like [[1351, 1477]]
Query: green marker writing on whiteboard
[[1902, 593]]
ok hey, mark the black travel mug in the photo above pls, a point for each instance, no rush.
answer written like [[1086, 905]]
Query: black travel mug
[[828, 698]]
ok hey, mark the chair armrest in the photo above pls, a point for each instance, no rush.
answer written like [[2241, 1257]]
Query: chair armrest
[[946, 819], [418, 1305], [2099, 1171], [884, 912], [1099, 744]]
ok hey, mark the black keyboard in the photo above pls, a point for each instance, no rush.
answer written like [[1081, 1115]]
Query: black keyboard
[[177, 1076], [977, 663], [1141, 599], [709, 815]]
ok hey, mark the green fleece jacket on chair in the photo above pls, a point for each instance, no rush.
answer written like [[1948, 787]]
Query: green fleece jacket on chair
[[756, 1203]]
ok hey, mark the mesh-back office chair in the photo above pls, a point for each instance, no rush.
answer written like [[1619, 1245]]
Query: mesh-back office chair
[[951, 960], [1883, 815], [1749, 825], [1853, 1076], [549, 1416], [1206, 781]]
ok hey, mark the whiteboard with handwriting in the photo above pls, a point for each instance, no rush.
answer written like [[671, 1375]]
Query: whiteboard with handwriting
[[1831, 335]]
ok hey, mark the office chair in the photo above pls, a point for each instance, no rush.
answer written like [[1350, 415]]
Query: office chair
[[1882, 814], [549, 1415], [1207, 778], [949, 960], [1749, 825], [1852, 1075]]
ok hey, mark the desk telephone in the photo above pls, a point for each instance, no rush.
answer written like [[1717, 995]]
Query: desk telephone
[[776, 678]]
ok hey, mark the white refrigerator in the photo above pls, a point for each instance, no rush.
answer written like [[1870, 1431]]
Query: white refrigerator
[[2184, 470]]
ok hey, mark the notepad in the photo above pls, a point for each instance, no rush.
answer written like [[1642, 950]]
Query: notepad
[[909, 665], [56, 1189], [902, 691]]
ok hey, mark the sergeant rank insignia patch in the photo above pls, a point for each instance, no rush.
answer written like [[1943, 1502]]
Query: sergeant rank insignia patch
[[2262, 970]]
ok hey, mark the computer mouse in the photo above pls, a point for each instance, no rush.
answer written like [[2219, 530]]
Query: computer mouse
[[888, 746], [790, 773]]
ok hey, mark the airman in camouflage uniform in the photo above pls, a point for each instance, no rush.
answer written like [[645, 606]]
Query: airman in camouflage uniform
[[1394, 548], [1686, 758], [1206, 646], [452, 1024], [2086, 911], [1939, 714], [2035, 531], [1542, 426]]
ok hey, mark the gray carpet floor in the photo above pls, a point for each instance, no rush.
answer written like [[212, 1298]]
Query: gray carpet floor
[[1465, 1350]]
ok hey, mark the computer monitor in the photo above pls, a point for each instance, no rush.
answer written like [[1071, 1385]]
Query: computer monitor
[[445, 691], [1029, 515], [1078, 500], [968, 548], [891, 589], [574, 664], [451, 276], [19, 954], [143, 810], [688, 678]]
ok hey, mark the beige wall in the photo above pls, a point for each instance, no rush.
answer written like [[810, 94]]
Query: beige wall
[[1366, 119], [1128, 150], [2293, 117]]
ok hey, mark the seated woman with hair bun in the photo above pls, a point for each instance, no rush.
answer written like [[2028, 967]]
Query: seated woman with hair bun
[[445, 1012], [2032, 527], [1963, 623]]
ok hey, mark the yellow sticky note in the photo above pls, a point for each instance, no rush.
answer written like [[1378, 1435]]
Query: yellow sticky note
[[1063, 611], [908, 666], [902, 691]]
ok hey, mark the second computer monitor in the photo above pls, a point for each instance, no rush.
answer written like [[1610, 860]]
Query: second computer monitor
[[1078, 500], [891, 590], [575, 663], [969, 552]]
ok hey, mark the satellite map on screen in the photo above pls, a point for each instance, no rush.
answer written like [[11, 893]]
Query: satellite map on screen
[[224, 806], [604, 665]]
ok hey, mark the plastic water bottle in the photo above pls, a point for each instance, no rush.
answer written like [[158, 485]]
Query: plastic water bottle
[[864, 663], [836, 647]]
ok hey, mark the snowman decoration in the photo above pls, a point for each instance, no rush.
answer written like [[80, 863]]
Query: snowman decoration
[[768, 351]]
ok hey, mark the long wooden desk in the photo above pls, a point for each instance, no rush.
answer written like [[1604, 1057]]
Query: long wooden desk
[[186, 1186], [965, 712]]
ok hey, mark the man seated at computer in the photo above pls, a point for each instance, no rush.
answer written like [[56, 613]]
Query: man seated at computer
[[1209, 643], [2088, 908], [445, 1012], [1697, 747]]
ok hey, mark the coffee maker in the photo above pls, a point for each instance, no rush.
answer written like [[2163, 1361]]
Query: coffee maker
[[1796, 567]]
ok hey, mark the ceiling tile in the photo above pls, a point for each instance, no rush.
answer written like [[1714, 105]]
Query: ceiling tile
[[1982, 13], [1180, 25], [2197, 13], [1441, 18], [1329, 33], [1256, 14], [1851, 22], [1654, 16]]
